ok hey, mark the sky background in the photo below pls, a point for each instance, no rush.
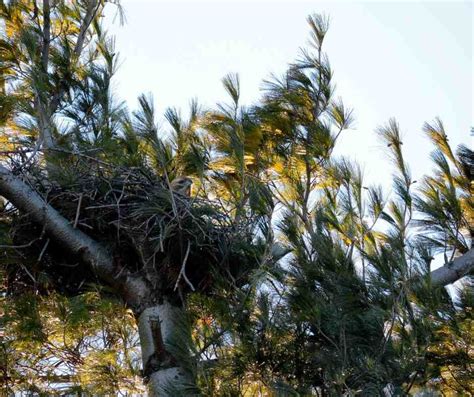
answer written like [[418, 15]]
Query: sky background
[[408, 60]]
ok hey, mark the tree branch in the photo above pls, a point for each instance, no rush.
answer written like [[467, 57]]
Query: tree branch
[[455, 270], [134, 289], [46, 35], [92, 9], [46, 137]]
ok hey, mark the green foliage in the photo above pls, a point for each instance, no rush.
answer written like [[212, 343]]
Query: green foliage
[[54, 344], [297, 277], [346, 313]]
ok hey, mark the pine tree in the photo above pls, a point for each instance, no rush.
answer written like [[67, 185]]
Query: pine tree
[[281, 273]]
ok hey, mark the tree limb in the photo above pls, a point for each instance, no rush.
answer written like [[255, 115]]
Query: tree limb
[[46, 35], [41, 105], [92, 9], [455, 270], [134, 289]]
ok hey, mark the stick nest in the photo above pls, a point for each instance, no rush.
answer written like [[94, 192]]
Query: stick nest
[[179, 243]]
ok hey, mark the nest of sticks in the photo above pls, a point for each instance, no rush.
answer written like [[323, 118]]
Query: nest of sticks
[[179, 243]]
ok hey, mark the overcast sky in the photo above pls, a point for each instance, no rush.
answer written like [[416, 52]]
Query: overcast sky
[[408, 60]]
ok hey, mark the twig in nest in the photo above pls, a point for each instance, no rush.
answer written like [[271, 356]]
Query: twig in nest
[[28, 273], [78, 210], [105, 206], [86, 225], [122, 268], [80, 154], [20, 246], [27, 245], [182, 271], [43, 250]]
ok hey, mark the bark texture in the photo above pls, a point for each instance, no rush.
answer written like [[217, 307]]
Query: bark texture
[[158, 327], [452, 272]]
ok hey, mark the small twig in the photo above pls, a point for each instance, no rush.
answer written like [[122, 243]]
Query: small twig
[[412, 382], [81, 154], [182, 271], [28, 272], [36, 149], [105, 206], [122, 268], [43, 250], [73, 265], [25, 245], [118, 205], [85, 225], [78, 211], [20, 246]]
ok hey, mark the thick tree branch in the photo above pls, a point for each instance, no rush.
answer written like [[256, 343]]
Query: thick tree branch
[[92, 9], [133, 289], [46, 35], [159, 329], [455, 270], [46, 137]]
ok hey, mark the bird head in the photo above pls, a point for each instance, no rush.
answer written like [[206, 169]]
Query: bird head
[[182, 185]]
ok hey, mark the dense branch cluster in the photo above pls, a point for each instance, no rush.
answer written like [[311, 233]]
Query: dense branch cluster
[[282, 271], [179, 242]]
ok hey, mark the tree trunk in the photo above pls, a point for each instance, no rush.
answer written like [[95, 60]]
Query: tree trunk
[[165, 353]]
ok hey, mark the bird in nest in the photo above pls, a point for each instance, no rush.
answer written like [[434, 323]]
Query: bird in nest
[[182, 185]]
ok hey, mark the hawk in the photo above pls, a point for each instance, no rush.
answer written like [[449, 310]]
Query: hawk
[[182, 185]]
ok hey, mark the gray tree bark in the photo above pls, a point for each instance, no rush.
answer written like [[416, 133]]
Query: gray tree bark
[[163, 345], [452, 272]]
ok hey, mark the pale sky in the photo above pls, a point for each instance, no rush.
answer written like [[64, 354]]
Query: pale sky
[[408, 60]]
